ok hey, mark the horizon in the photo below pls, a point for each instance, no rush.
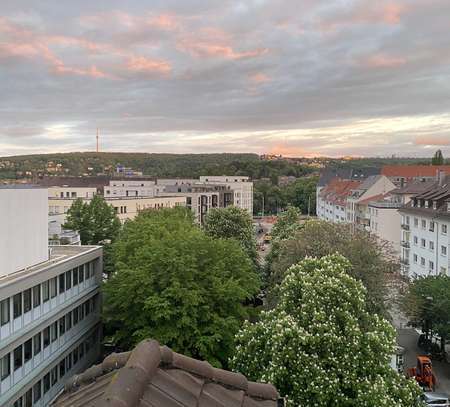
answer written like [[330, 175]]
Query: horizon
[[335, 80]]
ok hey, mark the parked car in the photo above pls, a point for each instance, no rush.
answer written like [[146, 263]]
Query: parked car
[[433, 399]]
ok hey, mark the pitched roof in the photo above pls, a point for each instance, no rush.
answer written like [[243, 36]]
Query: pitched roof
[[338, 190], [373, 198], [328, 174], [411, 171], [369, 182], [416, 187], [155, 376]]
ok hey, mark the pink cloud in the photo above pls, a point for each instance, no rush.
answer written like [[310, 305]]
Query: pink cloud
[[142, 64], [259, 78], [432, 141], [384, 61], [165, 22]]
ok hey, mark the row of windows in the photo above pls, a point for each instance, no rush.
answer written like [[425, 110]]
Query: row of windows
[[430, 264], [24, 301], [431, 224], [42, 387], [33, 346], [423, 244]]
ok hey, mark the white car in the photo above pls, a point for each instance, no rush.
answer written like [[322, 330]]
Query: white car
[[432, 399]]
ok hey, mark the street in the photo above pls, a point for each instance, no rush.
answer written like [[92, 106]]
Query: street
[[407, 338]]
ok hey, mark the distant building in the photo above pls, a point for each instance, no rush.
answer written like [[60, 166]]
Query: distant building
[[127, 171], [402, 175], [130, 187], [49, 303], [71, 192]]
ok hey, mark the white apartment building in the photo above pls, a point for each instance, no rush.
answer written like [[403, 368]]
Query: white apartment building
[[71, 192], [132, 188], [242, 188], [425, 235], [49, 303]]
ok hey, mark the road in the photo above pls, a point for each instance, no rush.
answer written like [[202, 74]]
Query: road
[[407, 338]]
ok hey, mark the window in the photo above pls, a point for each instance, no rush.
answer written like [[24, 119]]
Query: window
[[68, 280], [423, 242], [27, 300], [54, 375], [415, 258], [75, 276], [431, 245], [444, 250], [54, 331], [62, 326], [46, 383], [5, 366], [62, 283], [36, 296], [29, 398], [431, 226], [17, 305], [68, 321], [431, 265], [75, 316], [81, 350], [45, 291], [18, 403], [444, 229], [416, 239], [18, 357], [416, 222], [53, 287], [68, 362], [28, 350], [80, 274], [46, 337], [37, 345], [4, 312], [37, 391], [424, 224], [75, 356], [62, 368], [422, 262]]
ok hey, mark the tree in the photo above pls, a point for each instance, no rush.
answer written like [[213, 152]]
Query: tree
[[438, 158], [232, 223], [427, 304], [174, 283], [96, 221], [368, 257], [321, 346], [287, 223], [302, 194]]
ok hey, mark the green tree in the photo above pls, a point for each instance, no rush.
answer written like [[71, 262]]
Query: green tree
[[438, 158], [96, 221], [174, 283], [232, 223], [427, 304], [321, 346], [287, 223], [369, 258], [302, 194]]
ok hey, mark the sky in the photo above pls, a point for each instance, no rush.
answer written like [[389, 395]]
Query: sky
[[292, 77]]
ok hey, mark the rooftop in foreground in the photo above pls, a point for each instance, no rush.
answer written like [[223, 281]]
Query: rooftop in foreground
[[154, 376], [58, 254]]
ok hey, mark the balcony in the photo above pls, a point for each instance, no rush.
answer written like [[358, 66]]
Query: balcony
[[405, 243], [405, 262], [405, 226]]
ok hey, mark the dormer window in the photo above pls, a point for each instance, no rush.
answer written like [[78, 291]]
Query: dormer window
[[418, 203], [434, 204], [426, 204], [448, 206]]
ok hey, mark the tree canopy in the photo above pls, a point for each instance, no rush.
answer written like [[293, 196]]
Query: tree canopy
[[321, 345], [232, 223], [95, 220], [369, 262], [174, 283], [438, 158]]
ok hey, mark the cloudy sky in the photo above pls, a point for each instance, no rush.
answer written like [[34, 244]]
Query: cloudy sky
[[296, 77]]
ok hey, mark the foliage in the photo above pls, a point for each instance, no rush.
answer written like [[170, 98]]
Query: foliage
[[438, 158], [287, 223], [427, 304], [96, 221], [367, 256], [321, 346], [174, 283], [232, 223]]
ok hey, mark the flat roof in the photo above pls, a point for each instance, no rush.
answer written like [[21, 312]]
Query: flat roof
[[58, 254], [21, 186]]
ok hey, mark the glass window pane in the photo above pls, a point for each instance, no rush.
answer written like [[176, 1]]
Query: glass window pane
[[45, 291], [37, 392], [80, 274], [46, 383], [36, 296], [62, 283], [27, 300], [18, 357], [28, 350], [4, 311], [5, 366], [68, 279], [75, 276], [46, 337], [37, 343], [17, 301], [53, 287]]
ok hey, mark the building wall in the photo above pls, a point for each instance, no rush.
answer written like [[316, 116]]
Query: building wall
[[24, 228], [385, 223], [39, 348], [425, 253], [71, 192], [131, 188]]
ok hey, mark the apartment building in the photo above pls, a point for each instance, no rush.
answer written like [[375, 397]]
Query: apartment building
[[241, 186], [49, 303], [402, 175], [425, 234], [132, 188], [71, 192]]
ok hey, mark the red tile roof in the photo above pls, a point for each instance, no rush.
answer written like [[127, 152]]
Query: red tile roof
[[412, 171], [155, 376], [338, 190]]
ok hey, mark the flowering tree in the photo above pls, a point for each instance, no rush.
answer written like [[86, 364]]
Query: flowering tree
[[320, 346]]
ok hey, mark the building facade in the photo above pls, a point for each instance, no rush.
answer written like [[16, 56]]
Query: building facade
[[71, 192], [133, 188], [49, 311], [425, 223]]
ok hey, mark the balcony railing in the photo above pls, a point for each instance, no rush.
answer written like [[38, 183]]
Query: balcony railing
[[405, 262], [405, 243], [405, 226]]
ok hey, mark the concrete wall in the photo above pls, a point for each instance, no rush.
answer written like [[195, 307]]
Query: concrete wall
[[23, 228]]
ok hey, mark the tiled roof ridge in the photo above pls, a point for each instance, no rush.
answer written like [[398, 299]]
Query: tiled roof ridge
[[144, 361]]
